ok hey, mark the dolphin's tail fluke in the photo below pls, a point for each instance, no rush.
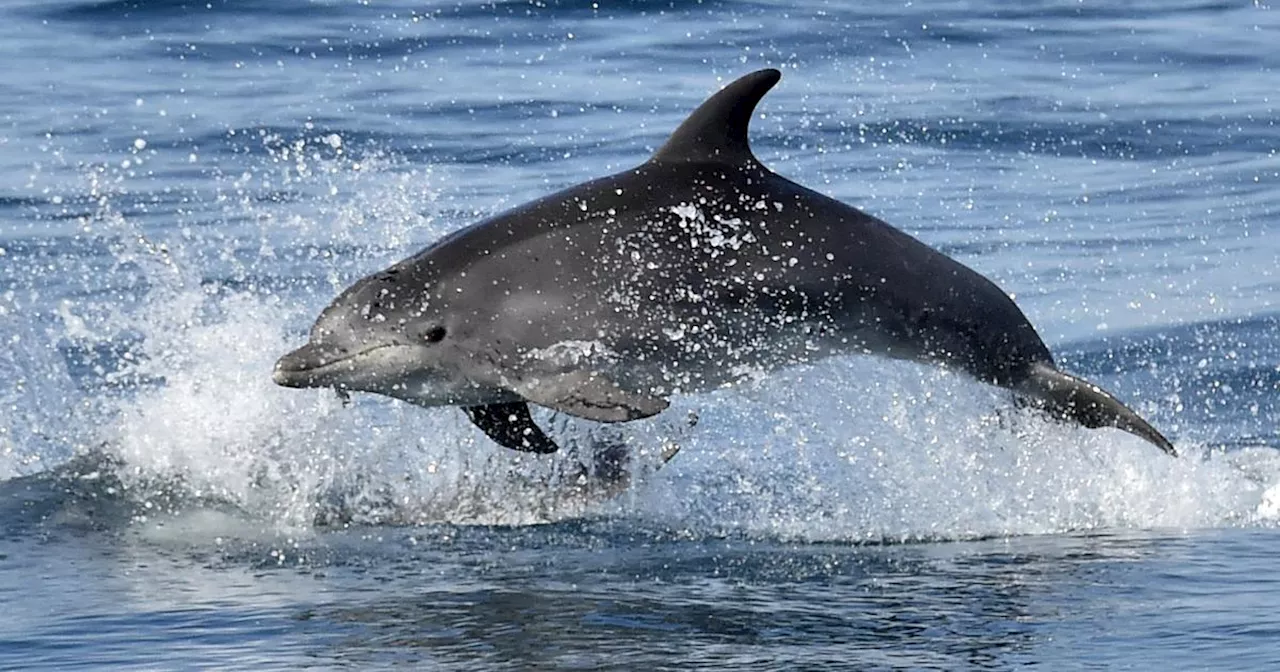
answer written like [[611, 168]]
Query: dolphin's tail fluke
[[1071, 398]]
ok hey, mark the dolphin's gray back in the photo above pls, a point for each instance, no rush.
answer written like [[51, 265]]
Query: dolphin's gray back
[[700, 264]]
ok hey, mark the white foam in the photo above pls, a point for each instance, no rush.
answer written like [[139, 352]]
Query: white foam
[[850, 449], [824, 455]]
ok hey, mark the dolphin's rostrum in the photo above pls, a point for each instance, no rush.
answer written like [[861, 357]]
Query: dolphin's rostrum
[[681, 275]]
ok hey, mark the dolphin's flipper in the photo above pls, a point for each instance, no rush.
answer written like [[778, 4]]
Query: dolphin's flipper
[[590, 395], [511, 426], [1072, 398]]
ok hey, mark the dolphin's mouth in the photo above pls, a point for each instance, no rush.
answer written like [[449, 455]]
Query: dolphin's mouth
[[315, 365], [393, 369]]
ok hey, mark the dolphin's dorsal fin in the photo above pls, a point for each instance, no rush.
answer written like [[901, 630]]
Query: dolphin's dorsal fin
[[717, 130]]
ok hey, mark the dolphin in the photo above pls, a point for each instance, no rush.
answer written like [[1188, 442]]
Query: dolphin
[[681, 275]]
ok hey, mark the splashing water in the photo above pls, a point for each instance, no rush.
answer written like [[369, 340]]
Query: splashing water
[[848, 449], [926, 455]]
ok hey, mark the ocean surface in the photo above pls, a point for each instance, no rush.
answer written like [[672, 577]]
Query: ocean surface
[[184, 185]]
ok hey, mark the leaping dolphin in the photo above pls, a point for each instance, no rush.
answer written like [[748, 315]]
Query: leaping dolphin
[[681, 275]]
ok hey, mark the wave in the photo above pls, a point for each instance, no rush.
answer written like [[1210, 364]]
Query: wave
[[172, 406]]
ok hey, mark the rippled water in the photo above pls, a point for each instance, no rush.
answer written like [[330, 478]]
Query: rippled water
[[184, 185]]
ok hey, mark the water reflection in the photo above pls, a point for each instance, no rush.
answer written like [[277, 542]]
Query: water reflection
[[735, 604]]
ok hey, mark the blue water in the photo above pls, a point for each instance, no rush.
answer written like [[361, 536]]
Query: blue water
[[184, 185]]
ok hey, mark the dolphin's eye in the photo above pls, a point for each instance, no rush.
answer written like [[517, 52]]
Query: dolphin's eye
[[434, 334]]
